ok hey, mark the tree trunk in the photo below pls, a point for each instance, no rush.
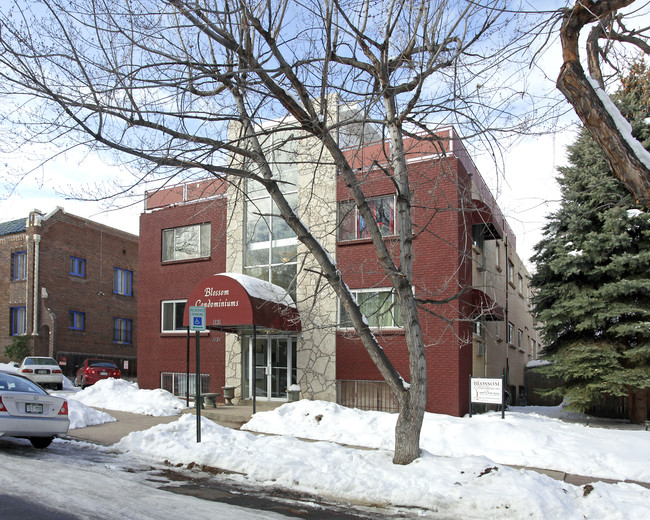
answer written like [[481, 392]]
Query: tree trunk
[[408, 428], [638, 405], [573, 83]]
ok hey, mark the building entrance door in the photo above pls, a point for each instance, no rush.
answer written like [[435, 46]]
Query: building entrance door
[[270, 362]]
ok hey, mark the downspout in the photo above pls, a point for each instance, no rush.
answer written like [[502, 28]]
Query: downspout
[[37, 240]]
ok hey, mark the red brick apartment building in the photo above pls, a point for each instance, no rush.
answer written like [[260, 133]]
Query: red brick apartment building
[[69, 286], [462, 245]]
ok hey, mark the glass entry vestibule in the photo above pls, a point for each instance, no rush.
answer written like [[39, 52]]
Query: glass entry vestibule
[[271, 362]]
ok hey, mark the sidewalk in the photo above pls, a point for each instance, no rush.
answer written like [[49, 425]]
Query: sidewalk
[[235, 416]]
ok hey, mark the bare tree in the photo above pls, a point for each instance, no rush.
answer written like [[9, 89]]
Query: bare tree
[[628, 160], [177, 87]]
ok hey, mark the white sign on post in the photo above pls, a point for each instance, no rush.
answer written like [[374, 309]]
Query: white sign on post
[[197, 318], [486, 390]]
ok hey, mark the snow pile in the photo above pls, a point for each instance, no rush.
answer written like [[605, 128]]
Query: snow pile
[[121, 395], [521, 439], [459, 487], [81, 415]]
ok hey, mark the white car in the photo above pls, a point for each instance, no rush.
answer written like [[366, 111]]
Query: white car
[[43, 370], [28, 411]]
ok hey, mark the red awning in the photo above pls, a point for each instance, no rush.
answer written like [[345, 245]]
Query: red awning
[[237, 302], [484, 306], [484, 216]]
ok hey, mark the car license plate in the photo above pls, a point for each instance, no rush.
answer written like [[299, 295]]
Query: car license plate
[[33, 408], [103, 373], [42, 371]]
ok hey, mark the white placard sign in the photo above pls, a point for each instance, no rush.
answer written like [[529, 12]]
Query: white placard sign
[[486, 390]]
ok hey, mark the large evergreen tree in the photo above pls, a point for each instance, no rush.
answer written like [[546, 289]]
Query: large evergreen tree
[[593, 273]]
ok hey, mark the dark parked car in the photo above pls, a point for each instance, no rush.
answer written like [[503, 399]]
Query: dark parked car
[[93, 370], [28, 411]]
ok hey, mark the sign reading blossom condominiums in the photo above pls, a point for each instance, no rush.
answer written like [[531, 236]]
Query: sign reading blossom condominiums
[[486, 390], [235, 302]]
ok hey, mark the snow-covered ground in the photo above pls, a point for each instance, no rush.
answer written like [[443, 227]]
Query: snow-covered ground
[[463, 471]]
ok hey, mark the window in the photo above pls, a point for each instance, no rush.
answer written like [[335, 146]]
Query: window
[[533, 348], [352, 225], [19, 265], [478, 237], [17, 326], [520, 284], [185, 243], [172, 316], [270, 246], [510, 272], [511, 334], [378, 306], [122, 282], [77, 266], [520, 339], [497, 255], [76, 320], [479, 328], [122, 330]]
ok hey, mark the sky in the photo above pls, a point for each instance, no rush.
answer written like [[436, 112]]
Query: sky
[[526, 189], [465, 471], [524, 185]]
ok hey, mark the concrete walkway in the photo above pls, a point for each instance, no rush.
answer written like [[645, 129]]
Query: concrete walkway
[[235, 416]]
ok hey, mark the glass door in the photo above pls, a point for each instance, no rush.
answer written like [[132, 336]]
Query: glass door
[[271, 361]]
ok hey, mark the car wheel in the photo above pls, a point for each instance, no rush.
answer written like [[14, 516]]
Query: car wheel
[[40, 443], [83, 384]]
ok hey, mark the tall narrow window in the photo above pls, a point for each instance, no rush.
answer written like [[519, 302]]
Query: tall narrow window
[[19, 265], [122, 330], [270, 246], [77, 266], [122, 280], [76, 320], [17, 325], [511, 333], [510, 272]]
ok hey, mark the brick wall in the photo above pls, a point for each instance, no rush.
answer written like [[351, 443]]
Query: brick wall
[[103, 249], [174, 281]]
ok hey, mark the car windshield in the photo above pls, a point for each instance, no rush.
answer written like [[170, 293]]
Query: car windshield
[[104, 364], [9, 383], [40, 361]]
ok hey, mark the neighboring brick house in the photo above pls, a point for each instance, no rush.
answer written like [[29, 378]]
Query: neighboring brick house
[[193, 231], [70, 287]]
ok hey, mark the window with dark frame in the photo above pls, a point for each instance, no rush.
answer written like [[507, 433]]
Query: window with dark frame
[[122, 328], [19, 265], [122, 281], [76, 320], [77, 266], [18, 321]]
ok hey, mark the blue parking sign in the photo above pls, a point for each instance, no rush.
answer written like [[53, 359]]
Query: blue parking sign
[[197, 318]]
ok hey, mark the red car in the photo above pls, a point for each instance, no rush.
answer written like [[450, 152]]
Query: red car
[[93, 370]]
